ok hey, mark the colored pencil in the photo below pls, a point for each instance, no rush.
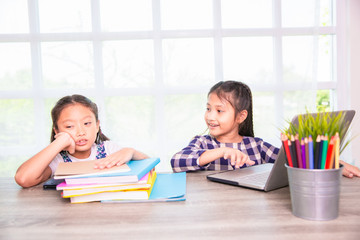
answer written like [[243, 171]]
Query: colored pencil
[[337, 150], [330, 154], [293, 151], [298, 151], [332, 157], [306, 141], [303, 153], [284, 141], [311, 153], [317, 150], [324, 151], [321, 143]]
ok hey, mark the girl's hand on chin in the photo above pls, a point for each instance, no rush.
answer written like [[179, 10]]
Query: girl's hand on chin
[[67, 140]]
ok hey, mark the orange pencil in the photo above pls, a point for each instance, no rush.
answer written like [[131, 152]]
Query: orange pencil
[[337, 150], [330, 155], [306, 141]]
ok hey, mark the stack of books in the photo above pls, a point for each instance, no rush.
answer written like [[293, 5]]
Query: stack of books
[[135, 181]]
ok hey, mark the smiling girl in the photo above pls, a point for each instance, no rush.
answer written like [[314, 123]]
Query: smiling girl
[[231, 142], [75, 136]]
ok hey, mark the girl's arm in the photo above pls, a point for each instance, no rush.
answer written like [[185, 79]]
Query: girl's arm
[[186, 159], [196, 157], [236, 157], [36, 169], [120, 157]]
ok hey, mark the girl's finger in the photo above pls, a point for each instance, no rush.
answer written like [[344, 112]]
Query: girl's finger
[[238, 160], [250, 162], [101, 164], [247, 160], [115, 162], [347, 173], [233, 159], [354, 171], [119, 163]]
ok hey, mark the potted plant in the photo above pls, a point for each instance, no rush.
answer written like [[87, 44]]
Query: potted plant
[[314, 124]]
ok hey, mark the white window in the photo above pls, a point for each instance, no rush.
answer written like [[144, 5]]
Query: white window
[[148, 64]]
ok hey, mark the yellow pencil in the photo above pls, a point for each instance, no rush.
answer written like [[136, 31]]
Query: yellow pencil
[[337, 150]]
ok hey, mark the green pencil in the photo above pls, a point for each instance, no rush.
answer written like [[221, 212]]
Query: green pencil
[[324, 152]]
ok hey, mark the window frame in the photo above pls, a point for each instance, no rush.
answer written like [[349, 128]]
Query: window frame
[[340, 86]]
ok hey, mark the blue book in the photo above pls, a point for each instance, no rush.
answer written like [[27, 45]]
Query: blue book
[[168, 187], [138, 169]]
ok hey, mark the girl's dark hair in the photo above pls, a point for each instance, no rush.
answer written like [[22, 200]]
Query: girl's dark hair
[[239, 95], [75, 99]]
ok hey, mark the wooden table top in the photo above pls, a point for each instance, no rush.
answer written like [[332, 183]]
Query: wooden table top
[[211, 210]]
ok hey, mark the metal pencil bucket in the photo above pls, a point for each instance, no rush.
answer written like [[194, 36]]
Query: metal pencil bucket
[[315, 192]]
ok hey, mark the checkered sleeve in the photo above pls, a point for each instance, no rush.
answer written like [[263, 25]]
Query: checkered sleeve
[[186, 159], [269, 153]]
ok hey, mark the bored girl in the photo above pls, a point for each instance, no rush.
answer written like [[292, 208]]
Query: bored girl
[[75, 136]]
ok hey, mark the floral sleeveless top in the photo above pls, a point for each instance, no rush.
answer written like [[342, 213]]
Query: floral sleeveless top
[[100, 153]]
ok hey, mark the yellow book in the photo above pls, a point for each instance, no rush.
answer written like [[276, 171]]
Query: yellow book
[[72, 190], [134, 194]]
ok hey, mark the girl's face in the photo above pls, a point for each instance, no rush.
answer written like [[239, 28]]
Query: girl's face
[[221, 121], [80, 123]]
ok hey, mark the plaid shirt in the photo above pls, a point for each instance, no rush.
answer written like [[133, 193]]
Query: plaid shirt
[[187, 159]]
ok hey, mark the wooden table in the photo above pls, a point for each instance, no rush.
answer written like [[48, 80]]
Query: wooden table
[[211, 210]]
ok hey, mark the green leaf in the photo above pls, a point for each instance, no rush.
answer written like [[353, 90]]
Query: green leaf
[[320, 124]]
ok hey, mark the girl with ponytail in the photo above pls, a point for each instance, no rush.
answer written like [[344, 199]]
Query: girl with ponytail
[[230, 143]]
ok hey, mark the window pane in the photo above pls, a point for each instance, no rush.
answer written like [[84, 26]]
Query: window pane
[[325, 63], [13, 16], [184, 116], [128, 63], [17, 122], [9, 164], [186, 14], [248, 59], [49, 104], [297, 102], [323, 100], [246, 14], [308, 58], [188, 62], [264, 117], [68, 65], [65, 15], [125, 15], [184, 119], [298, 59], [306, 13], [15, 70], [130, 120]]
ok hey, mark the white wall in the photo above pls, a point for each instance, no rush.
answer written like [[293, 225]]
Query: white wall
[[354, 73]]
